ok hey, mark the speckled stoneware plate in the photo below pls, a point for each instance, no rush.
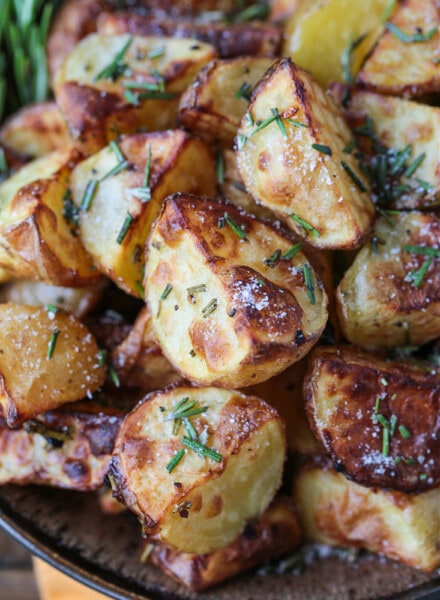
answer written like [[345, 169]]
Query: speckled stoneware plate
[[68, 530]]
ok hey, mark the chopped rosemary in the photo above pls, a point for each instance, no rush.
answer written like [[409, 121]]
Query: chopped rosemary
[[423, 476], [376, 405], [220, 166], [102, 358], [52, 343], [201, 449], [393, 423], [347, 58], [235, 228], [53, 309], [388, 11], [140, 289], [423, 250], [305, 225], [353, 176], [408, 38], [189, 427], [291, 252], [404, 432], [118, 153], [70, 212], [263, 124], [116, 68], [270, 262], [323, 149], [279, 122], [241, 141], [114, 376], [308, 280], [350, 146], [89, 193], [175, 460], [412, 168], [124, 229], [258, 10], [417, 276], [186, 408], [156, 52], [195, 289], [166, 291], [120, 166], [296, 123], [210, 308], [244, 91]]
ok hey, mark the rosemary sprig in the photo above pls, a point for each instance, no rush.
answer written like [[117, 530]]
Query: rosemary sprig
[[305, 225], [410, 38], [201, 449], [52, 343], [116, 67]]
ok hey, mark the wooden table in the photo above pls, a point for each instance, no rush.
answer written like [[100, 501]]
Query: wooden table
[[17, 581]]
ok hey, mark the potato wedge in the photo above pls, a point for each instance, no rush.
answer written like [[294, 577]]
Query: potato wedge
[[36, 130], [290, 154], [405, 60], [333, 510], [79, 301], [37, 225], [216, 101], [284, 392], [390, 296], [103, 97], [229, 39], [387, 128], [187, 498], [376, 418], [68, 448], [326, 37], [274, 534], [138, 360], [244, 313], [46, 359], [114, 227]]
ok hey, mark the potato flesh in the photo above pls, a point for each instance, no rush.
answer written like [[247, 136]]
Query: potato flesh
[[203, 512], [378, 302], [335, 511], [288, 175]]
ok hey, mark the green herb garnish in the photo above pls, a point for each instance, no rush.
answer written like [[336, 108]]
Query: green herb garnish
[[124, 229], [166, 291], [347, 58], [270, 262], [244, 91], [296, 123], [210, 308], [408, 38], [89, 193], [323, 149], [404, 432], [175, 460], [116, 68], [291, 252], [353, 176], [305, 225], [235, 228], [52, 343], [220, 166], [308, 280], [201, 449]]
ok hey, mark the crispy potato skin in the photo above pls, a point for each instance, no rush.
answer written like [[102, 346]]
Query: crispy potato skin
[[261, 317], [97, 110], [345, 389], [31, 383], [333, 510], [179, 162], [195, 508], [285, 173], [230, 40], [275, 533], [210, 107], [407, 69], [378, 303], [29, 455], [36, 130]]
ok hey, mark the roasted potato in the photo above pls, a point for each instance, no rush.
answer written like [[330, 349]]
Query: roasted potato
[[195, 464], [405, 58], [138, 360], [290, 154], [331, 38], [229, 39], [38, 224], [390, 296], [275, 533], [47, 358], [69, 448], [231, 305], [79, 301], [215, 102], [377, 419], [284, 392], [36, 130], [333, 510], [389, 128], [114, 84], [114, 227]]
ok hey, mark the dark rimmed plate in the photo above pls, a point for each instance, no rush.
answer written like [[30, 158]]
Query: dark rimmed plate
[[68, 530]]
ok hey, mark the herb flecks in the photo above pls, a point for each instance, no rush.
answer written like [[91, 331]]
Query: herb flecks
[[291, 252], [347, 58], [410, 38], [201, 449], [125, 228], [323, 149], [273, 259], [89, 194], [308, 280], [244, 91], [116, 68], [144, 192], [52, 343], [305, 225], [210, 308], [228, 220]]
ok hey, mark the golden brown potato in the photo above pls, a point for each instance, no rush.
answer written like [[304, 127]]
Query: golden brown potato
[[114, 225], [185, 455], [79, 301], [103, 96], [333, 510], [275, 533], [387, 128], [229, 39], [47, 358], [331, 38], [138, 359], [290, 155], [5, 276], [36, 130], [38, 224], [69, 448], [405, 59], [376, 418], [284, 392], [215, 102], [390, 296], [231, 305], [74, 20]]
